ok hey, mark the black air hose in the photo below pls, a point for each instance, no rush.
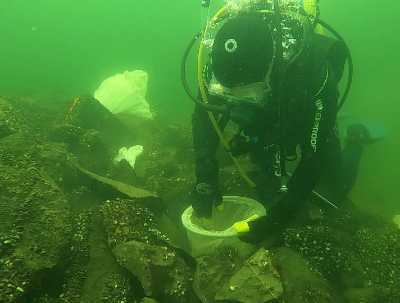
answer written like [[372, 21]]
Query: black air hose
[[208, 107], [349, 58]]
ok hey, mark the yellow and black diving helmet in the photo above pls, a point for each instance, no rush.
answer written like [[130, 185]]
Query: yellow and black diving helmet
[[244, 42]]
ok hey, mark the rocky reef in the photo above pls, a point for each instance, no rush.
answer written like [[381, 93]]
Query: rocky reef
[[76, 227]]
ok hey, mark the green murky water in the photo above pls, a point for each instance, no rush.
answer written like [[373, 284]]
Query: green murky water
[[63, 48], [55, 50]]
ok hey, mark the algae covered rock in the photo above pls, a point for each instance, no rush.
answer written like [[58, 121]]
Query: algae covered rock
[[326, 249], [139, 246], [162, 273], [126, 219], [9, 122], [256, 281], [35, 230], [367, 295], [300, 284], [379, 255], [49, 159], [215, 270], [228, 276]]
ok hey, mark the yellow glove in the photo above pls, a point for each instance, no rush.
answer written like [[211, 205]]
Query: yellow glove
[[242, 227]]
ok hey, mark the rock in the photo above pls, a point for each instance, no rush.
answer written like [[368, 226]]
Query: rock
[[215, 270], [49, 159], [35, 230], [87, 113], [133, 234], [256, 281], [162, 273], [325, 248], [125, 220], [79, 257], [9, 122], [366, 295], [46, 255], [5, 129], [378, 252], [301, 285]]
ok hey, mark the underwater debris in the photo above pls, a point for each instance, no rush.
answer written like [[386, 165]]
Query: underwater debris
[[126, 189], [71, 109], [129, 154], [125, 93]]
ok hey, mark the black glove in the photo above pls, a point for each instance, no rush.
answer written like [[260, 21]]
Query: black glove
[[204, 197], [269, 228], [258, 231]]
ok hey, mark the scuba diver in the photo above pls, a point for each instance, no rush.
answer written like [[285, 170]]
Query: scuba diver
[[272, 70]]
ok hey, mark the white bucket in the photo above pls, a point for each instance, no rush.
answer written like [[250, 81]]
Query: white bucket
[[219, 231]]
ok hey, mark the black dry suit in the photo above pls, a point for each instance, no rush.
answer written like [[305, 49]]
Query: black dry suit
[[310, 91]]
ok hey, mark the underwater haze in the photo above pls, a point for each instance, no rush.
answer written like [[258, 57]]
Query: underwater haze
[[66, 48], [370, 28], [97, 188]]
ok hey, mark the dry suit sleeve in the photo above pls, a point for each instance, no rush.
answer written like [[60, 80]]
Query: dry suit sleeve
[[205, 143], [321, 125]]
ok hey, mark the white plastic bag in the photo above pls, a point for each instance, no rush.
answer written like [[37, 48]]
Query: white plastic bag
[[125, 93], [129, 154]]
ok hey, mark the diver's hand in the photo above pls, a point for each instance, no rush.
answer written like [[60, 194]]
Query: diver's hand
[[204, 197], [268, 229], [255, 231]]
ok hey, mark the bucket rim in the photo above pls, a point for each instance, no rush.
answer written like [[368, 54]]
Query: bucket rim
[[190, 226]]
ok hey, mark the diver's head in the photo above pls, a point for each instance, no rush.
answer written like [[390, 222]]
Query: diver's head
[[243, 51]]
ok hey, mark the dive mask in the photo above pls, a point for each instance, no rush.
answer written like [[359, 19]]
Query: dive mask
[[253, 93]]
